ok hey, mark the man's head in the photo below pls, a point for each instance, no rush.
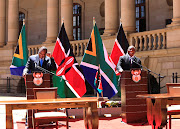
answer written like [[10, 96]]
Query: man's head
[[131, 50], [42, 52]]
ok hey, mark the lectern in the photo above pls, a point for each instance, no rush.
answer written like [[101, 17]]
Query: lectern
[[134, 110], [45, 80]]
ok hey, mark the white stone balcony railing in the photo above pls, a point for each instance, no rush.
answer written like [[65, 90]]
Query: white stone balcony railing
[[143, 41], [78, 47], [149, 40], [33, 49]]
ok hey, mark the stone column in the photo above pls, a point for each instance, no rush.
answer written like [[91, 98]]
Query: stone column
[[67, 15], [128, 15], [111, 17], [52, 20], [2, 22], [176, 13], [13, 22]]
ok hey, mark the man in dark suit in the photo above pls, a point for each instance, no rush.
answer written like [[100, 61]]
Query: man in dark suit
[[40, 59], [128, 61]]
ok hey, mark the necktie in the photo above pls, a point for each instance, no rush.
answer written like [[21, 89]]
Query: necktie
[[130, 59], [41, 62]]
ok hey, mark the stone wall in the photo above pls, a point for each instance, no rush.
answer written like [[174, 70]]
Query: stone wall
[[158, 12], [36, 24], [36, 14], [15, 85], [164, 62]]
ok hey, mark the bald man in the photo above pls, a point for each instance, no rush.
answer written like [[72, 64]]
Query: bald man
[[40, 59], [128, 61]]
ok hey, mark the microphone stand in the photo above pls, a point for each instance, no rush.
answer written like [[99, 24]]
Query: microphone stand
[[159, 76], [47, 71]]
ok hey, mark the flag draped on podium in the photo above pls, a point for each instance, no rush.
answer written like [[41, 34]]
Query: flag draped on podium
[[20, 56], [120, 46], [68, 67], [95, 56]]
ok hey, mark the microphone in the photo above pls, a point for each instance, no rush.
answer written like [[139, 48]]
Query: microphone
[[162, 76], [35, 64], [47, 71], [134, 60]]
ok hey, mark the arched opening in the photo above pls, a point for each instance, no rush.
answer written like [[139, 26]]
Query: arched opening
[[21, 17], [77, 29]]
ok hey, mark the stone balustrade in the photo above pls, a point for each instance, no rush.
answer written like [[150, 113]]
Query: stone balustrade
[[149, 40], [78, 47], [143, 41], [33, 49]]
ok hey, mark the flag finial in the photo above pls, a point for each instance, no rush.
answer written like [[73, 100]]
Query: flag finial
[[24, 21], [94, 21], [62, 20], [120, 21]]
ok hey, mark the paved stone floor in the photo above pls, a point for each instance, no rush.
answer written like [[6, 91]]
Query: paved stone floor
[[18, 115]]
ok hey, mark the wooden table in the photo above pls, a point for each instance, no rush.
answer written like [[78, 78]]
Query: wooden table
[[91, 119], [157, 108]]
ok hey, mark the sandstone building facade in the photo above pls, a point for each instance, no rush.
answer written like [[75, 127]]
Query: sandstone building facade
[[153, 26]]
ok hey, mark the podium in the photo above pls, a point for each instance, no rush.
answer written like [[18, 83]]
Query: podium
[[47, 82], [134, 110]]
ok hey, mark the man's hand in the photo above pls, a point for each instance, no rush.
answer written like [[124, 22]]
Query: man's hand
[[49, 54], [24, 76]]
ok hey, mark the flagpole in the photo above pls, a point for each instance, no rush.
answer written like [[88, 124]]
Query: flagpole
[[98, 68], [94, 21], [120, 21], [98, 103], [62, 20]]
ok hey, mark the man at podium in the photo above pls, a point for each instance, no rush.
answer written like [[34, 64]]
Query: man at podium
[[40, 59], [134, 110], [44, 60], [128, 61]]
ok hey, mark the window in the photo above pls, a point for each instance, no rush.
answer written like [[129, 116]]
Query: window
[[140, 16], [21, 17], [77, 21]]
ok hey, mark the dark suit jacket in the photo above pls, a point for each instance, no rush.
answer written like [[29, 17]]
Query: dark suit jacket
[[124, 63], [33, 60]]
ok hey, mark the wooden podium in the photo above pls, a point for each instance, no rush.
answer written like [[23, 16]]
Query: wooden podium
[[134, 110], [47, 82]]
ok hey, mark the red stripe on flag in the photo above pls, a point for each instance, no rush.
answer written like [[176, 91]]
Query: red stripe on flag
[[76, 81], [58, 53], [116, 53]]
